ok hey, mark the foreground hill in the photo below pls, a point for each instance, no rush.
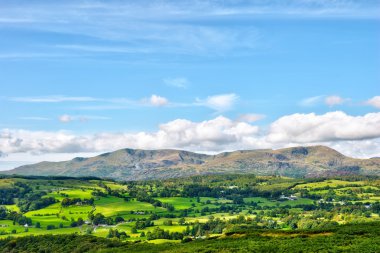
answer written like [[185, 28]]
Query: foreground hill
[[135, 164]]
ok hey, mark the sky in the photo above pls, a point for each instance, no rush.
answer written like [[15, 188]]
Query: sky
[[79, 78]]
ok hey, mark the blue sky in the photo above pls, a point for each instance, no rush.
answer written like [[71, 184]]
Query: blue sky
[[77, 76]]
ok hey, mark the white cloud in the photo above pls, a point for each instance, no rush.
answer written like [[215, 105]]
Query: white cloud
[[332, 126], [156, 100], [65, 118], [375, 102], [334, 100], [250, 117], [357, 136], [214, 135], [179, 82], [222, 102]]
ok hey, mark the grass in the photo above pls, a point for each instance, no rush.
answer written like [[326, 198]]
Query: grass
[[12, 207], [113, 206], [331, 183]]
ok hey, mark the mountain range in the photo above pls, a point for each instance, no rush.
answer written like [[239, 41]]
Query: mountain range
[[137, 164]]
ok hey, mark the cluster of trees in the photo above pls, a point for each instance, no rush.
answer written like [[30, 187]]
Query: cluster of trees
[[158, 233], [76, 201], [7, 195], [143, 223], [78, 222], [99, 218], [114, 233], [5, 214], [143, 196], [34, 201]]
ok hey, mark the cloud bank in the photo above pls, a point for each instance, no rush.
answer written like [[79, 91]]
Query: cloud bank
[[357, 136]]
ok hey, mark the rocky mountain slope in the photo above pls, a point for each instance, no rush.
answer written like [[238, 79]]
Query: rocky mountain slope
[[134, 164]]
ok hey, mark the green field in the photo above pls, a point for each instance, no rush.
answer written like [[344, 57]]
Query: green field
[[195, 207]]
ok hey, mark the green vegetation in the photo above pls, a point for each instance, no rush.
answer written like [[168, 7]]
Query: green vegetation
[[346, 238], [256, 211]]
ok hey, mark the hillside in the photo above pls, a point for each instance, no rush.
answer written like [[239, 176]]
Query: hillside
[[131, 164]]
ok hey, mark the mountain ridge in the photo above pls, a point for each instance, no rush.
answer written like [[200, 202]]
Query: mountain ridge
[[139, 164]]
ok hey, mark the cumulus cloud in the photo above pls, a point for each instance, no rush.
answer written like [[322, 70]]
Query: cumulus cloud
[[210, 135], [179, 82], [222, 102], [334, 100], [375, 102], [156, 100], [304, 128], [250, 117], [357, 136]]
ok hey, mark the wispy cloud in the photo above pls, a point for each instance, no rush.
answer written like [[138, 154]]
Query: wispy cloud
[[103, 48], [323, 99], [34, 118], [221, 102], [169, 27], [162, 27], [52, 99], [375, 102], [178, 82], [311, 101], [334, 100], [66, 118]]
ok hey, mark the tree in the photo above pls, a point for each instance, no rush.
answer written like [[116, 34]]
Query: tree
[[168, 223], [181, 221], [119, 219], [38, 224], [80, 221], [50, 227], [99, 219]]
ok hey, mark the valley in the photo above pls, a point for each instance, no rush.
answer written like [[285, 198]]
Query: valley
[[183, 209]]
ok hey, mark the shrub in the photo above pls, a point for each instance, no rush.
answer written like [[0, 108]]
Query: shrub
[[50, 227]]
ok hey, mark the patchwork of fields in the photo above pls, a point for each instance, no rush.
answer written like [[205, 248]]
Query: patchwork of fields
[[100, 207]]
